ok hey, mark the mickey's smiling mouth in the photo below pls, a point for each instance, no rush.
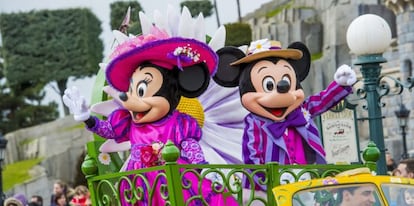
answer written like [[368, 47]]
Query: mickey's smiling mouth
[[139, 115], [278, 112]]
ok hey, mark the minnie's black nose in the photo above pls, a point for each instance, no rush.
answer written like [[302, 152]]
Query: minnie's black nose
[[123, 96]]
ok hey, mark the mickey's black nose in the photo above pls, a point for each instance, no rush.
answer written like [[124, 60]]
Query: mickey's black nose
[[283, 86]]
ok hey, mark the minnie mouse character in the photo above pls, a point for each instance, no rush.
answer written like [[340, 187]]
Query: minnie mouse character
[[152, 72], [279, 127]]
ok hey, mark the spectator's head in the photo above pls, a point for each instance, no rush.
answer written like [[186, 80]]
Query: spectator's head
[[356, 195], [405, 197], [390, 161], [81, 190], [59, 187], [406, 168], [37, 199], [60, 199], [16, 200]]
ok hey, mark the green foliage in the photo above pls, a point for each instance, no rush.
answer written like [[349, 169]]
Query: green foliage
[[18, 172], [316, 56], [238, 34], [118, 12], [280, 8], [41, 47], [20, 107], [44, 46], [198, 6]]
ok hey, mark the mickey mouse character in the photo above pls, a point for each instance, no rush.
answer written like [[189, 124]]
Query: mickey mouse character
[[152, 72], [279, 127]]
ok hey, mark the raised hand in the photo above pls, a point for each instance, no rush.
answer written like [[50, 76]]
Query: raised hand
[[345, 76], [76, 104]]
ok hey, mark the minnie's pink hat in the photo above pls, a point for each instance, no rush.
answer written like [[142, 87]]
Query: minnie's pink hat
[[170, 53]]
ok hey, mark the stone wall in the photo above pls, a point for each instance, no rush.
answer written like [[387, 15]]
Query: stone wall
[[59, 143]]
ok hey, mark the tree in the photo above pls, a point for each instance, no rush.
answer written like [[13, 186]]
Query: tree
[[239, 11], [199, 6], [18, 111], [50, 45], [217, 14], [238, 34], [118, 11]]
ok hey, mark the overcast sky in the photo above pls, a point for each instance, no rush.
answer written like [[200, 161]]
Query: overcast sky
[[227, 13]]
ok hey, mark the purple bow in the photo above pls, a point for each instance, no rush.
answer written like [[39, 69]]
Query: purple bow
[[294, 119]]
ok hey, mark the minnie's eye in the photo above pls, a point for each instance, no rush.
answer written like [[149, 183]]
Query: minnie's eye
[[268, 84], [142, 89]]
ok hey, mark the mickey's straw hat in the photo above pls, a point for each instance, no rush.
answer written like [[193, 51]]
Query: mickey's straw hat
[[157, 48], [264, 48]]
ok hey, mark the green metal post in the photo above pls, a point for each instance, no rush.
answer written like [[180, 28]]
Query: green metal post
[[170, 154], [274, 177], [371, 155], [371, 70]]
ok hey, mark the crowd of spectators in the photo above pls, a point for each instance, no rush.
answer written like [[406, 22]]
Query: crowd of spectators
[[62, 195]]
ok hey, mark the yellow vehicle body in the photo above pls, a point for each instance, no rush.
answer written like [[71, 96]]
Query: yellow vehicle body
[[387, 190]]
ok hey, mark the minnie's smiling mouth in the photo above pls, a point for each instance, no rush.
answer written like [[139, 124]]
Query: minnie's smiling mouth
[[278, 112], [139, 115]]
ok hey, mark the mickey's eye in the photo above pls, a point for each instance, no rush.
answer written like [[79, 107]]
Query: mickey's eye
[[268, 84], [142, 88], [286, 78]]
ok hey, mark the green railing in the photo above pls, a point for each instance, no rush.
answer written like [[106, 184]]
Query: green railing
[[105, 188], [104, 180]]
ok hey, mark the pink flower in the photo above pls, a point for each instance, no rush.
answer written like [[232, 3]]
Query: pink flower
[[137, 41], [151, 155]]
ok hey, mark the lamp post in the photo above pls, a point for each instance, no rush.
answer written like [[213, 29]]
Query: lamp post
[[368, 36], [3, 145], [402, 115]]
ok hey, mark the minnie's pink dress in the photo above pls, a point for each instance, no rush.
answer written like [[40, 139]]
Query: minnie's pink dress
[[181, 129]]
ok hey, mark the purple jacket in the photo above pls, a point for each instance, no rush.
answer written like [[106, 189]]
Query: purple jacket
[[263, 140]]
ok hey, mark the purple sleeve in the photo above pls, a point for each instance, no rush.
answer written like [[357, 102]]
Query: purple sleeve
[[191, 150], [116, 127], [326, 99], [251, 142]]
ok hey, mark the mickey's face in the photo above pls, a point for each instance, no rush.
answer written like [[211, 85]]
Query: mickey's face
[[141, 101], [275, 93]]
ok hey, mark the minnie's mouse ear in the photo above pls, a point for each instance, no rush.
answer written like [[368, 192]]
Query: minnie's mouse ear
[[226, 75], [193, 80], [301, 65]]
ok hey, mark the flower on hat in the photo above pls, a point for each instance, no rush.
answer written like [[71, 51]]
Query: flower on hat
[[259, 46], [187, 52]]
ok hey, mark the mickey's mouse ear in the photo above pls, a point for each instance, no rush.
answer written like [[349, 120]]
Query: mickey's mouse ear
[[226, 75], [301, 65]]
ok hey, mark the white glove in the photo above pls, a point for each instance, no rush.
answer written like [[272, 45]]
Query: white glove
[[345, 76], [76, 104]]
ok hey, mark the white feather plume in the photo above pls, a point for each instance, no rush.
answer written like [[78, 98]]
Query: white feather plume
[[199, 29], [218, 39], [146, 24], [119, 36], [186, 24]]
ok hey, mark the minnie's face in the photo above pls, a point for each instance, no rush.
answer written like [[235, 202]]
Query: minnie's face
[[275, 93], [141, 102]]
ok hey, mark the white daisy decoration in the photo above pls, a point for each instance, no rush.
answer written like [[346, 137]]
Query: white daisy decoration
[[307, 116], [104, 158], [259, 46]]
